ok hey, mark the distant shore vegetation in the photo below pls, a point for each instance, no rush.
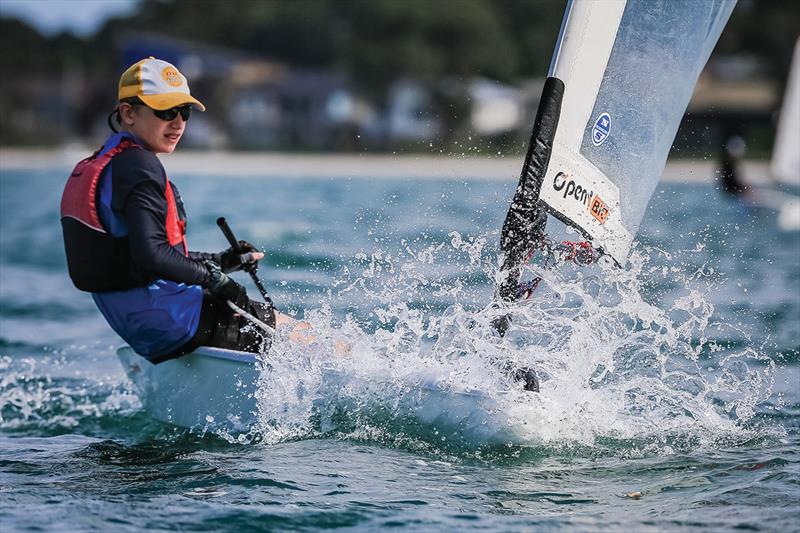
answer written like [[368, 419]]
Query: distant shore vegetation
[[450, 76]]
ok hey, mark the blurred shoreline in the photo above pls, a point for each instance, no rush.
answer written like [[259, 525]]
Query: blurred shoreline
[[351, 165]]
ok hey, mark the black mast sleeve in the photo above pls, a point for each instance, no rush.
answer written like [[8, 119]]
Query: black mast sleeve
[[524, 225]]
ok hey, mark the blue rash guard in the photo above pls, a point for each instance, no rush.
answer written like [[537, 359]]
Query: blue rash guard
[[160, 317]]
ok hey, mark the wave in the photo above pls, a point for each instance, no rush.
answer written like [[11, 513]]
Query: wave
[[35, 401]]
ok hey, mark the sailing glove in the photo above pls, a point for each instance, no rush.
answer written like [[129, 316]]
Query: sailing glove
[[222, 286], [232, 260]]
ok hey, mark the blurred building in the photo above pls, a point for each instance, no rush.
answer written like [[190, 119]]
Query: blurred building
[[495, 108], [275, 107], [255, 103], [41, 110]]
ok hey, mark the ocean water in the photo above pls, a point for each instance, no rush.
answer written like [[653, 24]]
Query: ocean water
[[670, 389]]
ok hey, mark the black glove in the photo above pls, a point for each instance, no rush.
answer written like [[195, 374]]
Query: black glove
[[232, 261], [223, 287]]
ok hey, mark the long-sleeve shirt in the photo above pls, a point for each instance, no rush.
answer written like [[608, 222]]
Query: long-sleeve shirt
[[163, 314]]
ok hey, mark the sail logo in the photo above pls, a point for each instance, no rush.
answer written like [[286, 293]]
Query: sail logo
[[594, 204], [601, 129], [599, 210]]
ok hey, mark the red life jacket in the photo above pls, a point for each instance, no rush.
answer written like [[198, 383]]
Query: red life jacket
[[98, 261]]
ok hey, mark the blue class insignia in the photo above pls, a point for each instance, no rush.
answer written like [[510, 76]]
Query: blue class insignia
[[601, 129]]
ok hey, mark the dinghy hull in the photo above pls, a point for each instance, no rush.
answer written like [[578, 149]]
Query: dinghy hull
[[208, 388], [212, 389]]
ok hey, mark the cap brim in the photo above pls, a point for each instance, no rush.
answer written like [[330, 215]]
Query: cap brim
[[162, 102]]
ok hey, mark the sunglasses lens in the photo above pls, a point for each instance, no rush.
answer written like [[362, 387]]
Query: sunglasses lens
[[170, 114], [167, 114]]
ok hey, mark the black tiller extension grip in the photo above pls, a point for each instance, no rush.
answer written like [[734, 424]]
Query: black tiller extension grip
[[250, 269]]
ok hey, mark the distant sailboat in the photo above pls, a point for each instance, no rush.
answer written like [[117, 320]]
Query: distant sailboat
[[785, 164]]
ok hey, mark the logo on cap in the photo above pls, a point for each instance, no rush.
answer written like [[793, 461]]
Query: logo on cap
[[172, 76]]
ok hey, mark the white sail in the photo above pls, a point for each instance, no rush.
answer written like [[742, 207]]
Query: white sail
[[785, 164], [628, 69]]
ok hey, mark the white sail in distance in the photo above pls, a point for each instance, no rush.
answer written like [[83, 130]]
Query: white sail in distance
[[628, 69], [785, 165]]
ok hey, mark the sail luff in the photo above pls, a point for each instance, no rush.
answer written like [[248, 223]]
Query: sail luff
[[581, 68]]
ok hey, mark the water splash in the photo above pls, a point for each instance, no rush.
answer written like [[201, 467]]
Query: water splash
[[634, 357], [36, 396], [623, 354]]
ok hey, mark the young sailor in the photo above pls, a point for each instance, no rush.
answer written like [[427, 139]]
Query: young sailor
[[124, 229]]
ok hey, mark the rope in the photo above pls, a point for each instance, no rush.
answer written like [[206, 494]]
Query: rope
[[251, 318]]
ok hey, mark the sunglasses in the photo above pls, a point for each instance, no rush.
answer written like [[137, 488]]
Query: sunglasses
[[185, 111], [168, 115]]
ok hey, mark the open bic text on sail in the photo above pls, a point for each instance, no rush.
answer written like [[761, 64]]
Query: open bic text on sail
[[594, 204]]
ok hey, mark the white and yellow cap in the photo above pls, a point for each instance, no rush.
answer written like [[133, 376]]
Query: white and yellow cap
[[158, 84]]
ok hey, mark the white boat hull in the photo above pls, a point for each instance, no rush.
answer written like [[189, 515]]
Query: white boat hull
[[208, 388], [215, 390]]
